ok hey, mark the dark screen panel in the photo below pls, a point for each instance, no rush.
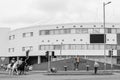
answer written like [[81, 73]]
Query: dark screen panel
[[96, 38]]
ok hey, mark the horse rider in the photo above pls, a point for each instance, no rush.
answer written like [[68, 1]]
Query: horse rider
[[12, 61], [20, 61], [21, 66]]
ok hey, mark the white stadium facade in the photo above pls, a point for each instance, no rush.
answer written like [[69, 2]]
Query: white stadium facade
[[89, 40]]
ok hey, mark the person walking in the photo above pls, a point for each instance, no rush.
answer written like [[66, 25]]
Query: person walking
[[87, 67], [77, 61], [96, 65]]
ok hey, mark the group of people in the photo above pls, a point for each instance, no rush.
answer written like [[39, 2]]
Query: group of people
[[77, 62], [16, 66]]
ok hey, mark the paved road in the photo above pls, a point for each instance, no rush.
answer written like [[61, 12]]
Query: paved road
[[41, 76]]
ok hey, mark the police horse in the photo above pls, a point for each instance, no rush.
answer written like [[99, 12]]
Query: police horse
[[21, 68], [17, 68], [12, 68]]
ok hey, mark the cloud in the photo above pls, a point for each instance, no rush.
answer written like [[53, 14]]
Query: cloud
[[26, 12], [51, 5]]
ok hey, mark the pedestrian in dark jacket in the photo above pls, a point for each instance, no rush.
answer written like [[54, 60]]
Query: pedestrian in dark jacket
[[96, 65]]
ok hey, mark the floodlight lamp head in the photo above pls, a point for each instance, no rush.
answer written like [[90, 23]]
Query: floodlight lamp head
[[108, 2]]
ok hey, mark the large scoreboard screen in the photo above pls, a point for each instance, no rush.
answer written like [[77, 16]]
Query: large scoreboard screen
[[97, 38]]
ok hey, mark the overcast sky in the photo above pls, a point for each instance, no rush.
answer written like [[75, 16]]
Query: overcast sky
[[23, 13]]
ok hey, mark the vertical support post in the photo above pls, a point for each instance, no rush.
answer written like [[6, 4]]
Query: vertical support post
[[49, 63], [85, 56], [61, 50], [17, 58], [104, 4], [39, 60], [111, 60], [104, 36]]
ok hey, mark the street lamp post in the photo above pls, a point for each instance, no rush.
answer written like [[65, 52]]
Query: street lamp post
[[111, 55], [48, 63], [111, 60], [61, 50], [104, 4], [50, 55]]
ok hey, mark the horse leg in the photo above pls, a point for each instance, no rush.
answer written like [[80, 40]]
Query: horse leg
[[17, 72], [23, 71], [9, 71], [20, 72], [12, 71]]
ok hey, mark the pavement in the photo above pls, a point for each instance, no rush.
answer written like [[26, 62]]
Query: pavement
[[43, 75], [79, 72]]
